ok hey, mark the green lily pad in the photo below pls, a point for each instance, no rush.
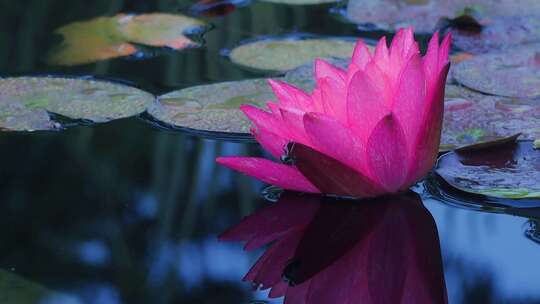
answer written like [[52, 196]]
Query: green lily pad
[[499, 33], [16, 290], [512, 73], [284, 54], [509, 171], [25, 101], [112, 37], [212, 108], [471, 118], [424, 15]]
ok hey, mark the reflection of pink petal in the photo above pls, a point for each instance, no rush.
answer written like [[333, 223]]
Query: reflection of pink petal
[[283, 176], [383, 250]]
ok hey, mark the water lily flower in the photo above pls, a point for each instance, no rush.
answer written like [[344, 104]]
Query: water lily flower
[[369, 130], [383, 251]]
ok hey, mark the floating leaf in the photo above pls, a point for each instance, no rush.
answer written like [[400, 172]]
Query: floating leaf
[[284, 54], [25, 101], [212, 108], [506, 171], [16, 290], [424, 15], [158, 29], [111, 37], [90, 41], [301, 2], [472, 118], [513, 73], [499, 33]]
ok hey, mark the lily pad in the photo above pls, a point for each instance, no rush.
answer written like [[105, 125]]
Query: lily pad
[[512, 73], [112, 37], [159, 29], [301, 2], [424, 15], [25, 101], [499, 33], [16, 290], [507, 171], [213, 107], [472, 118], [284, 54]]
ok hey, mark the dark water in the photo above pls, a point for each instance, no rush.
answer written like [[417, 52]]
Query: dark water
[[126, 213]]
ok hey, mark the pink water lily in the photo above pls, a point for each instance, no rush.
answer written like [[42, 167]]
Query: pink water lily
[[369, 130]]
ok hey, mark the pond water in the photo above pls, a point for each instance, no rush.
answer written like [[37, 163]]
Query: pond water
[[125, 212]]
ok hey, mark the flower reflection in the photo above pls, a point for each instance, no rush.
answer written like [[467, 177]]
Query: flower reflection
[[383, 250]]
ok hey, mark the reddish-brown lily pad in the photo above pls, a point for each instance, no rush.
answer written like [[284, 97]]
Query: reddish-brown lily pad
[[112, 37], [472, 118], [513, 73], [499, 33], [505, 171], [425, 14]]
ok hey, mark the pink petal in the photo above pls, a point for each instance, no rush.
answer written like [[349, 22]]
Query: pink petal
[[293, 121], [333, 98], [360, 58], [365, 105], [290, 96], [263, 120], [386, 153], [280, 175], [410, 100], [445, 50], [381, 56], [330, 175], [431, 60], [425, 145], [316, 97], [271, 142], [324, 69], [333, 139]]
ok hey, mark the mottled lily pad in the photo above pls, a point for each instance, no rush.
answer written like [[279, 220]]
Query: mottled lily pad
[[499, 33], [301, 2], [111, 37], [284, 54], [16, 290], [424, 15], [506, 171], [512, 73], [472, 118], [25, 101], [213, 107]]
